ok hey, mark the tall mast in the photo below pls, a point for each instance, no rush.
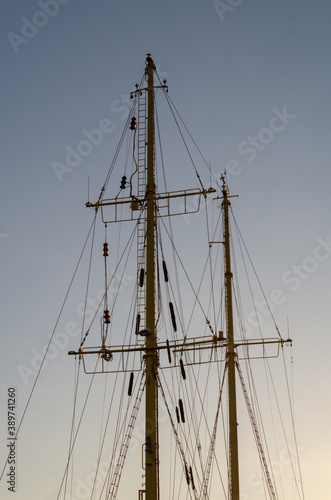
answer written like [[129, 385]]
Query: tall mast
[[144, 206], [231, 355], [145, 201], [151, 425]]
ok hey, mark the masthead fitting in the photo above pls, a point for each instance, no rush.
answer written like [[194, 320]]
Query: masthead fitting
[[149, 60]]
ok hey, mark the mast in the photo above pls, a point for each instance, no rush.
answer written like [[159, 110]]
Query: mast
[[146, 201], [143, 207], [231, 355], [151, 424]]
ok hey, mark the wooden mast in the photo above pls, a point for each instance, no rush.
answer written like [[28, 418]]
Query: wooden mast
[[151, 424], [148, 201], [230, 354]]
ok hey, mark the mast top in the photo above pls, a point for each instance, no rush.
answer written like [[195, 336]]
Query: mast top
[[225, 188], [149, 60]]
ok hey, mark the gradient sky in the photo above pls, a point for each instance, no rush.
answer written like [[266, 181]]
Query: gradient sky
[[229, 74]]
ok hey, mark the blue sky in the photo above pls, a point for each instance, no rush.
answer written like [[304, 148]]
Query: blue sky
[[230, 73]]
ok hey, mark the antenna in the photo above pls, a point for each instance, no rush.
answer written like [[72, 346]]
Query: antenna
[[210, 180]]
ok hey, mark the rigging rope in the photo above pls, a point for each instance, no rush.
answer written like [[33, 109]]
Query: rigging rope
[[111, 168], [72, 431], [186, 274], [181, 450], [127, 247], [249, 367], [51, 339], [182, 136], [180, 305], [105, 306], [257, 434], [76, 433], [112, 493], [88, 277], [204, 489], [171, 104], [255, 272], [294, 432]]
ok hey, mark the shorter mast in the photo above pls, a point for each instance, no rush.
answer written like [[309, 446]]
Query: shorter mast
[[230, 354]]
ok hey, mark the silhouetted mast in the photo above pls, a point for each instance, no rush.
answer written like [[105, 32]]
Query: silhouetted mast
[[230, 354], [151, 424]]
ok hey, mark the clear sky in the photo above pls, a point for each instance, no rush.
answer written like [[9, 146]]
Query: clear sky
[[252, 80]]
